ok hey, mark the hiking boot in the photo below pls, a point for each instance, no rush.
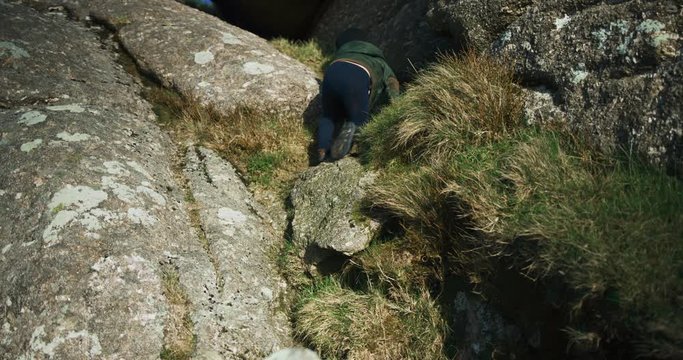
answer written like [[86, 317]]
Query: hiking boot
[[342, 144]]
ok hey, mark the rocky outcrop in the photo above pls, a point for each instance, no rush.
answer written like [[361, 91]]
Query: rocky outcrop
[[612, 71], [203, 57], [399, 28], [98, 256], [327, 217], [89, 206]]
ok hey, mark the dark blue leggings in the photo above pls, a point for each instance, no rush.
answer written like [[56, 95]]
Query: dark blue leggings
[[345, 96]]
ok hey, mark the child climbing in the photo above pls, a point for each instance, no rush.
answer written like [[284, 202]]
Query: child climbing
[[357, 81]]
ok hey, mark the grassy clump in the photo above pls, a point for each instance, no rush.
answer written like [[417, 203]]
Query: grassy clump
[[455, 104], [610, 225], [308, 52], [269, 150], [463, 174], [342, 323], [179, 338]]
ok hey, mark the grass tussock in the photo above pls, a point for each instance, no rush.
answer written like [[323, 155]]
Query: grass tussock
[[395, 265], [267, 149], [179, 339], [341, 323], [463, 175], [308, 52], [289, 259], [455, 104]]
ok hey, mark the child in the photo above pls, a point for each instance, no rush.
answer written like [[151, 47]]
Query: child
[[357, 81]]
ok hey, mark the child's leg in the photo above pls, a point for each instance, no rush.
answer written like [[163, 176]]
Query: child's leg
[[357, 97], [356, 101], [333, 110], [325, 132]]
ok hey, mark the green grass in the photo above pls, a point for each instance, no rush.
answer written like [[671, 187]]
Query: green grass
[[309, 52], [342, 323], [461, 173], [261, 166]]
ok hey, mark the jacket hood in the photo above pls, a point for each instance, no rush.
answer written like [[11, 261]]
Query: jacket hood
[[361, 47]]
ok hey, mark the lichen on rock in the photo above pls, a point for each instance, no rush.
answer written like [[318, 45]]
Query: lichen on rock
[[326, 203]]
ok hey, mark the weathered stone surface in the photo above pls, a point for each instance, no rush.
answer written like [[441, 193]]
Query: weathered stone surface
[[325, 201], [93, 226], [27, 77], [616, 69], [89, 206], [612, 70], [474, 23], [203, 56], [399, 28], [248, 317], [540, 106]]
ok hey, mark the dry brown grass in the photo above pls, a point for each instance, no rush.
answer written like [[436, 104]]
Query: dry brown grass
[[268, 149], [436, 221], [342, 323], [459, 102], [179, 339]]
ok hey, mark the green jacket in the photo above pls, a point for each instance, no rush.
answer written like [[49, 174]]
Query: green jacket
[[384, 84]]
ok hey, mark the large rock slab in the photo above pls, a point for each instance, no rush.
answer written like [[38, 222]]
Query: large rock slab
[[98, 256], [90, 216], [399, 28], [202, 56], [615, 69], [37, 70], [326, 203], [251, 319]]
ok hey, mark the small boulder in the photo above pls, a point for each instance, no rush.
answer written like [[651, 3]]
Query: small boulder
[[326, 216]]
